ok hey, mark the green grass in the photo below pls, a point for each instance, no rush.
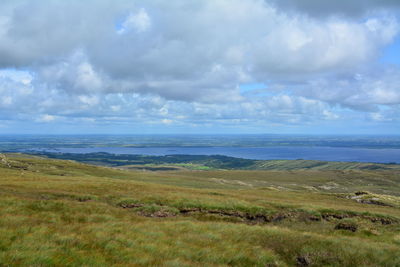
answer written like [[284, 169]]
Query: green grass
[[63, 213]]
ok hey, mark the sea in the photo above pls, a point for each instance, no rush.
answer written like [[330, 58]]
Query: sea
[[259, 153], [379, 149]]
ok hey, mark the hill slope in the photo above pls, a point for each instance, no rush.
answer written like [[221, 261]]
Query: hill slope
[[202, 162], [64, 213]]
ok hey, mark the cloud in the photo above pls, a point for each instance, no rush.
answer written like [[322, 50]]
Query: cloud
[[364, 92], [46, 118], [167, 121], [192, 51], [354, 8], [173, 62], [47, 104]]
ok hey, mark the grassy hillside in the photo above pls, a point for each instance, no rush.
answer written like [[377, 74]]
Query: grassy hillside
[[208, 162], [64, 213]]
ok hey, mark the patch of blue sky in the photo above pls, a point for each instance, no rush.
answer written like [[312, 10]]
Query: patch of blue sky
[[246, 87], [16, 74], [119, 25], [391, 54]]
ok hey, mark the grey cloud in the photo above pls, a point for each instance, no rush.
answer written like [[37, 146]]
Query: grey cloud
[[352, 8]]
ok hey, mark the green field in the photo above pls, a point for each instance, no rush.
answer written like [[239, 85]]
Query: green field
[[65, 213], [210, 162]]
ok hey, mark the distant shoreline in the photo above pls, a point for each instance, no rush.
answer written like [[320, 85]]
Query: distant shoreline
[[210, 162], [252, 153]]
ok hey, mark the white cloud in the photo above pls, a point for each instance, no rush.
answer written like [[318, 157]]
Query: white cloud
[[330, 115], [167, 121], [87, 78], [89, 100], [46, 118], [115, 108]]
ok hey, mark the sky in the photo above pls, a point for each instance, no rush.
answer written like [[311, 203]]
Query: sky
[[197, 66]]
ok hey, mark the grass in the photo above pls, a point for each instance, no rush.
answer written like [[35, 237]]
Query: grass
[[63, 213]]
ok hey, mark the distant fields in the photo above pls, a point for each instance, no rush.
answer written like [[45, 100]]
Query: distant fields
[[203, 162], [64, 213]]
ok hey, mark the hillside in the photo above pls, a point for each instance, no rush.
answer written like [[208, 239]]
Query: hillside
[[65, 213], [202, 162]]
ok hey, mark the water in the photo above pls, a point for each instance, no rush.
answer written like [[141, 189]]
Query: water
[[260, 153]]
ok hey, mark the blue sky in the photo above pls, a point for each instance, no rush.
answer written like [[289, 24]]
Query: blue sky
[[391, 53], [228, 66]]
